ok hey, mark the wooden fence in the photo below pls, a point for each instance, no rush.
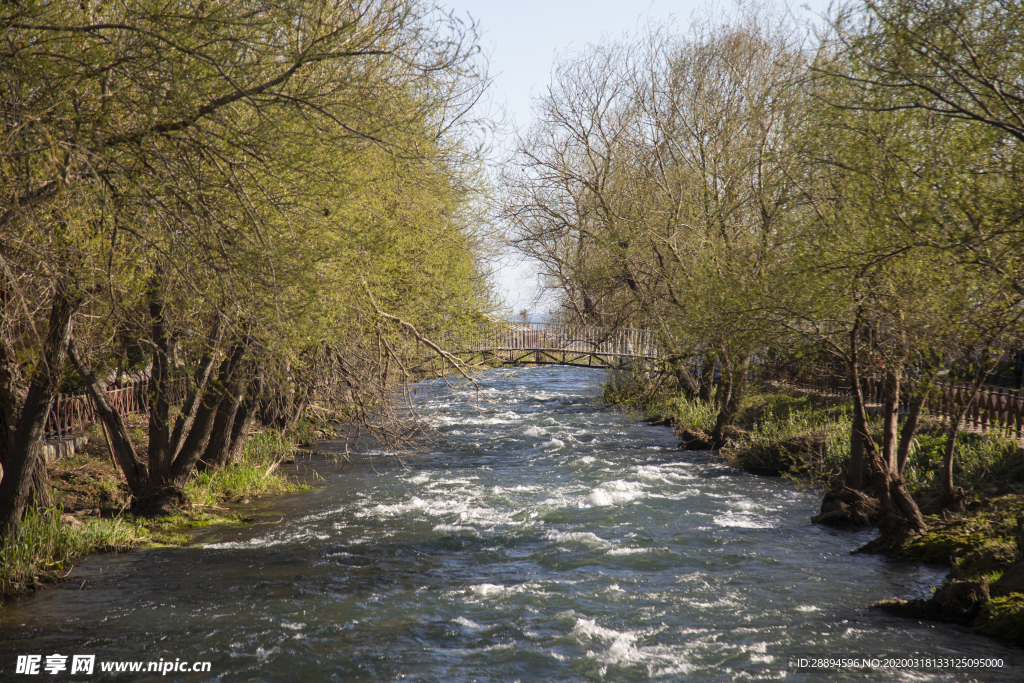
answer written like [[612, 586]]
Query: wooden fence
[[70, 413], [993, 408]]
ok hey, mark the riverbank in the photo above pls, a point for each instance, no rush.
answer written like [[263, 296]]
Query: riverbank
[[782, 431], [88, 511]]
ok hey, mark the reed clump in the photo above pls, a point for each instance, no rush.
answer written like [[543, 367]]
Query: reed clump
[[255, 473], [45, 544]]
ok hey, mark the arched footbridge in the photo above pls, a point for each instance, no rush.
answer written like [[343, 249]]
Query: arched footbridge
[[558, 344]]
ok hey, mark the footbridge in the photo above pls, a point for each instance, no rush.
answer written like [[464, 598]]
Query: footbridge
[[559, 344]]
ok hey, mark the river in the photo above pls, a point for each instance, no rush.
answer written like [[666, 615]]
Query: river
[[539, 537]]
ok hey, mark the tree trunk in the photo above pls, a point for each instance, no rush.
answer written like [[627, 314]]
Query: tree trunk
[[685, 380], [735, 381], [855, 466], [41, 493], [953, 496], [215, 455], [27, 443], [200, 383], [707, 378], [196, 441], [895, 502], [909, 431], [240, 430], [159, 403], [890, 414], [135, 472]]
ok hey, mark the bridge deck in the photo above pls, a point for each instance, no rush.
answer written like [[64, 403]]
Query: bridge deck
[[556, 344]]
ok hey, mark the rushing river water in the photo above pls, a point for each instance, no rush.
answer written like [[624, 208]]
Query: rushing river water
[[542, 537]]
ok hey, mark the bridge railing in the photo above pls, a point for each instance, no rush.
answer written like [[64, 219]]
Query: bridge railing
[[560, 337]]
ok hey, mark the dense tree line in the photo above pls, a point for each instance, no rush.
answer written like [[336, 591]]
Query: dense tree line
[[274, 199], [747, 190]]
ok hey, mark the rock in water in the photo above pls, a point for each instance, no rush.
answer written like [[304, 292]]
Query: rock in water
[[958, 602], [694, 439], [847, 508]]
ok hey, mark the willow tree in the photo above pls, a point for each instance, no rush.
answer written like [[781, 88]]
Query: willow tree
[[159, 168], [892, 198], [655, 174]]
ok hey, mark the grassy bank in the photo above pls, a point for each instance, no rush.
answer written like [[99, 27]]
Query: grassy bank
[[805, 437], [45, 545], [90, 512]]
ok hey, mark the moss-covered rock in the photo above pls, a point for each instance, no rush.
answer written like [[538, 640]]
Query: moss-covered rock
[[943, 545], [972, 547], [1003, 618], [1012, 580], [958, 602], [847, 508]]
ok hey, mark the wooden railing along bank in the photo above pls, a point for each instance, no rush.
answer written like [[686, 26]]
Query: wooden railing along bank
[[994, 408], [70, 413]]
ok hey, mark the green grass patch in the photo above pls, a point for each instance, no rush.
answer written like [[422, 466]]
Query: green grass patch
[[978, 459], [44, 546], [691, 413], [304, 433], [171, 530], [794, 436], [257, 473]]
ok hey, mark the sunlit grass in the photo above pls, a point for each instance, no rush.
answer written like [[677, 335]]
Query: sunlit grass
[[256, 473], [978, 459], [44, 546]]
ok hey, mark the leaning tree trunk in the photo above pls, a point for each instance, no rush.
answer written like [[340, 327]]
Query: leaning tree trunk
[[155, 491], [199, 436], [215, 455], [241, 429], [684, 380], [27, 444], [953, 496], [909, 431], [245, 418], [135, 472], [922, 388]]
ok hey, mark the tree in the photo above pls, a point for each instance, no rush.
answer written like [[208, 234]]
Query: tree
[[653, 185], [170, 169], [883, 187]]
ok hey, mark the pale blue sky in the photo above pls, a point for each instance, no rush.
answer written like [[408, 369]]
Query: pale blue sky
[[523, 37]]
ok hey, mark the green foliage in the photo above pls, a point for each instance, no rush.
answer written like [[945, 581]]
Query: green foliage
[[785, 417], [979, 459], [793, 436], [304, 433], [256, 473], [692, 413], [44, 545], [1003, 618]]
